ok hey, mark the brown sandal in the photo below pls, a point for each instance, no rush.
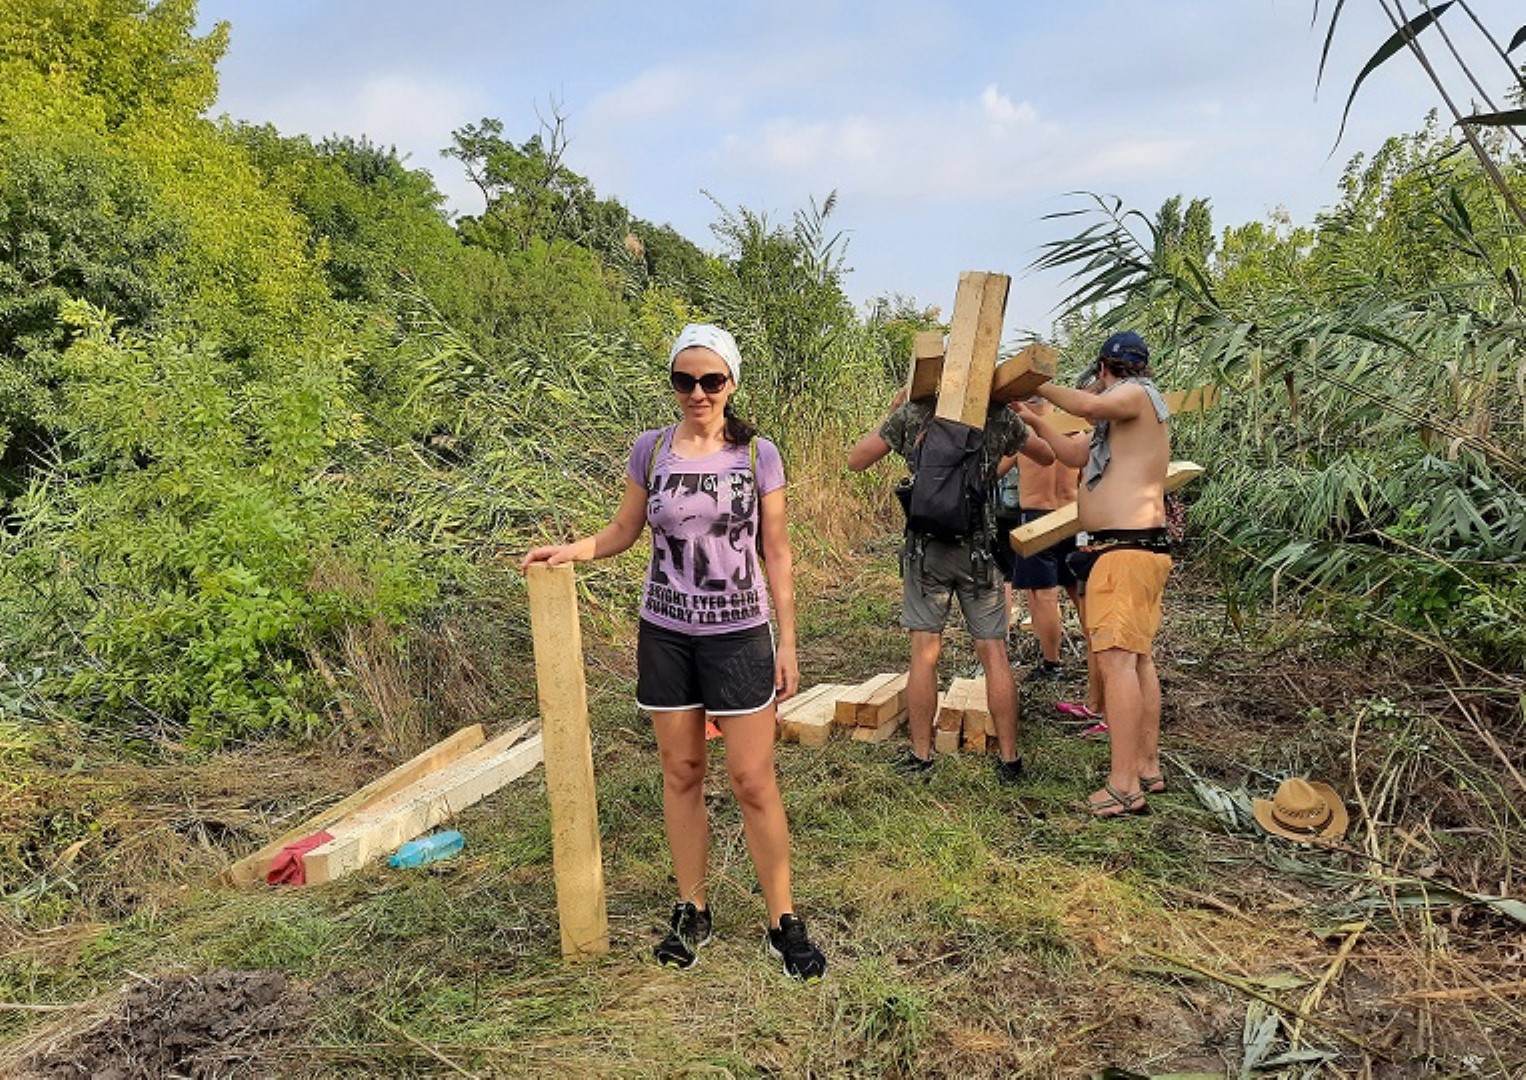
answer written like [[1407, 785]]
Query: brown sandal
[[1117, 804], [1153, 785]]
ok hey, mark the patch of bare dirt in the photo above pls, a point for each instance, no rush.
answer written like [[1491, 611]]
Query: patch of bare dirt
[[220, 1023]]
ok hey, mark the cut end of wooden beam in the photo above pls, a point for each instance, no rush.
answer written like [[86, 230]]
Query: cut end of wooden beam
[[1023, 373]]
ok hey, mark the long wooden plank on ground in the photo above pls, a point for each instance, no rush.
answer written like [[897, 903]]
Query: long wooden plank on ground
[[926, 365], [1043, 533], [884, 703], [848, 703], [415, 810], [253, 868], [1021, 374], [808, 720], [974, 339], [801, 699]]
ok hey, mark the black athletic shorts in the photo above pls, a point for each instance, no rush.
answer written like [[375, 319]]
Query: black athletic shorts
[[1047, 569], [724, 674]]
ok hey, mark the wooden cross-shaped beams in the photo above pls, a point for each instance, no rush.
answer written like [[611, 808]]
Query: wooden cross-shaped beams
[[974, 339]]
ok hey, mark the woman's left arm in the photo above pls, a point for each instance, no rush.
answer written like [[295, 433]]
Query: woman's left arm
[[780, 561]]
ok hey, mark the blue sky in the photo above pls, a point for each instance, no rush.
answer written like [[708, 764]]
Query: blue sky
[[948, 130]]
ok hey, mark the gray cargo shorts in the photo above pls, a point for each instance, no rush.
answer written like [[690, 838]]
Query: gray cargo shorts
[[933, 573]]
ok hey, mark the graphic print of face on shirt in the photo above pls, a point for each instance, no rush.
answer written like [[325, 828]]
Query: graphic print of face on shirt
[[705, 525]]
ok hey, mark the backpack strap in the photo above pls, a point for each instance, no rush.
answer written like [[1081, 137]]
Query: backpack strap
[[663, 438]]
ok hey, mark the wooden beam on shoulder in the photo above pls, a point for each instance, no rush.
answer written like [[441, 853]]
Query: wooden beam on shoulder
[[926, 365], [1198, 399], [1021, 374], [974, 340], [1043, 533]]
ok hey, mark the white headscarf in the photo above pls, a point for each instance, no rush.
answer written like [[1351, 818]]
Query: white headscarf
[[718, 341]]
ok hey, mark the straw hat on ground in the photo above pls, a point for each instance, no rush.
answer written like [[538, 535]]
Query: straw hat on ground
[[1303, 810]]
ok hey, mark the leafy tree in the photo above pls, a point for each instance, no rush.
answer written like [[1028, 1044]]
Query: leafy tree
[[99, 64]]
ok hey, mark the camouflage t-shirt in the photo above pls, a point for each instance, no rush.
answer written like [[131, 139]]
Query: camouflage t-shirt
[[1005, 433]]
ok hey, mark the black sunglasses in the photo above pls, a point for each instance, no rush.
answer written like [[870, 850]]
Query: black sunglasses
[[685, 383]]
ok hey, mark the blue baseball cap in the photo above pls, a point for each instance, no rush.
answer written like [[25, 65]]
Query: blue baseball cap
[[1124, 345]]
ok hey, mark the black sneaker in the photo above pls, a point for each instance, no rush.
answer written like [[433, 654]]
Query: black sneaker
[[912, 767], [1009, 772], [689, 930], [1046, 671], [802, 960]]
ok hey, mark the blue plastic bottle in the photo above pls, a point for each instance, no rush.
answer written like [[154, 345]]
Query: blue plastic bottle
[[427, 849]]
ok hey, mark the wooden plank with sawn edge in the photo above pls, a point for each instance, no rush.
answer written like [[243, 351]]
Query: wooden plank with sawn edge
[[415, 810], [562, 688], [974, 339], [1020, 375], [926, 365], [883, 731], [253, 868], [811, 724], [1043, 533], [884, 703], [847, 704]]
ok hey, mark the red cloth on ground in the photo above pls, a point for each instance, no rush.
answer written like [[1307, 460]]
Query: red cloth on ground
[[287, 869]]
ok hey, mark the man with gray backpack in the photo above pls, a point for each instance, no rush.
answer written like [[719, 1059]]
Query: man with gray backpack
[[949, 552]]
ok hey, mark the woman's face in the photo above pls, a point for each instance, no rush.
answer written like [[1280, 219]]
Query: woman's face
[[693, 365]]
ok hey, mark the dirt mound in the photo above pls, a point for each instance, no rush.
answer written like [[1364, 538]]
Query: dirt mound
[[214, 1024]]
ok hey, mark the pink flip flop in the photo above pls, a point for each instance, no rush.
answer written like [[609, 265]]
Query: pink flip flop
[[1077, 711]]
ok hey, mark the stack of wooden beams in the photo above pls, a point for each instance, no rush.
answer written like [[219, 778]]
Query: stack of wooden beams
[[807, 718], [407, 802], [875, 709], [964, 718]]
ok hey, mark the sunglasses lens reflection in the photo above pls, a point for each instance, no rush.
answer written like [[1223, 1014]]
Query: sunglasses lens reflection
[[685, 383]]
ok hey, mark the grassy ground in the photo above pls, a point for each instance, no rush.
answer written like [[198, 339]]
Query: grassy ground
[[972, 930]]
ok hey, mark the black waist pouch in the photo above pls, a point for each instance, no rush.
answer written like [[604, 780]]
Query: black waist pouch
[[1083, 560]]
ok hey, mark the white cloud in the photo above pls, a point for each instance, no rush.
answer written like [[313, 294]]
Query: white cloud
[[415, 115], [1003, 111], [653, 93], [398, 109]]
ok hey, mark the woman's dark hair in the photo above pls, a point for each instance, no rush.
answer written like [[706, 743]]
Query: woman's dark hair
[[738, 431]]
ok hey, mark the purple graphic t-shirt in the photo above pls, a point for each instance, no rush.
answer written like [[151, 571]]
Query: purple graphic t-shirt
[[705, 576]]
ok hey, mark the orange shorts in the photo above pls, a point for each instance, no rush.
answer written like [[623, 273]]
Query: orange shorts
[[1123, 597]]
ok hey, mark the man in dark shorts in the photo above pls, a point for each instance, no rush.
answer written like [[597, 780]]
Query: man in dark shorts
[[1042, 489], [934, 572]]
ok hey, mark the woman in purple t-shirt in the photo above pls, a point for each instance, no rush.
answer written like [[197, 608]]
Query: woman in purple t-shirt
[[713, 493]]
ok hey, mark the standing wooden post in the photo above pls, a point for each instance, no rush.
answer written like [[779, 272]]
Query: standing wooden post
[[563, 693]]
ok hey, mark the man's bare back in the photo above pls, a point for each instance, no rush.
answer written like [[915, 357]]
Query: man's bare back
[[1131, 492]]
